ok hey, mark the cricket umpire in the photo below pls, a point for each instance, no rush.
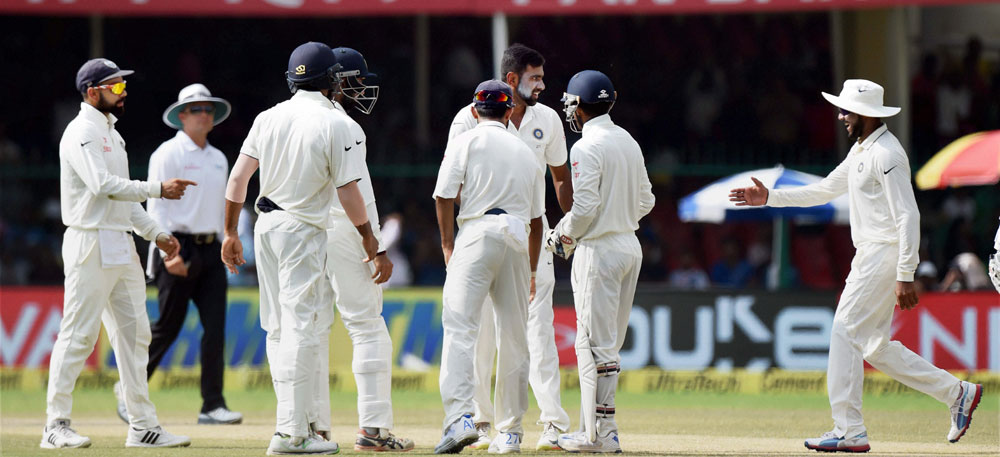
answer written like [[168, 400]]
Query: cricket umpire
[[197, 273]]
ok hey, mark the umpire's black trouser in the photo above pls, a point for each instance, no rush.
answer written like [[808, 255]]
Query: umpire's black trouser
[[206, 285]]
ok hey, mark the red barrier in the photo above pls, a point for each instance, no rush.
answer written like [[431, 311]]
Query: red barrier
[[29, 324], [959, 331]]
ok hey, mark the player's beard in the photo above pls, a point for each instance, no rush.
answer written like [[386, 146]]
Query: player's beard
[[104, 106], [855, 133], [526, 93]]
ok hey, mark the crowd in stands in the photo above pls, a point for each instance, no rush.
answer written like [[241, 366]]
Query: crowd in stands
[[708, 93]]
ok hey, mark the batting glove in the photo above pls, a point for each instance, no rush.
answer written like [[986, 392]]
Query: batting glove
[[559, 244], [995, 270]]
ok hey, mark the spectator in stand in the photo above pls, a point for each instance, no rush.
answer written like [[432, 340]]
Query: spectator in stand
[[954, 105], [966, 272], [923, 93], [688, 275], [732, 270]]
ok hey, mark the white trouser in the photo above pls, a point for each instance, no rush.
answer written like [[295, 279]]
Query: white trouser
[[604, 276], [291, 271], [359, 301], [116, 295], [861, 331], [543, 355], [487, 260]]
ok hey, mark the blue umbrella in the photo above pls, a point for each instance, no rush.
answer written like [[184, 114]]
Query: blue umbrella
[[711, 203]]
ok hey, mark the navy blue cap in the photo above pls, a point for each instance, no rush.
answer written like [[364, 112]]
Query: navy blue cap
[[493, 92], [96, 70]]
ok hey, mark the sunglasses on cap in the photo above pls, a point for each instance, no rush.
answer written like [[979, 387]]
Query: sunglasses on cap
[[201, 109], [116, 88], [844, 112], [492, 96]]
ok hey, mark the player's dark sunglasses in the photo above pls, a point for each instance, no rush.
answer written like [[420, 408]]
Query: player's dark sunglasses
[[491, 96], [844, 112], [201, 109]]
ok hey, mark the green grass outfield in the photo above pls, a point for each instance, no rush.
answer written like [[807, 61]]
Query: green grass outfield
[[651, 424]]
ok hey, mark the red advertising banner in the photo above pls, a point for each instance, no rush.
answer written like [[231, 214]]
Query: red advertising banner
[[29, 324], [273, 8], [953, 331]]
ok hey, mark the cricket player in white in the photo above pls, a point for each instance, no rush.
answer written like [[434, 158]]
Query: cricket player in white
[[994, 262], [611, 192], [540, 127], [104, 281], [299, 145], [355, 285], [885, 227], [499, 182]]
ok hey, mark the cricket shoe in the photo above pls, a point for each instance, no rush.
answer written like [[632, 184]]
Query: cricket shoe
[[155, 437], [282, 444], [483, 428], [59, 435], [380, 443], [505, 443], [962, 409], [120, 397], [549, 441], [459, 434], [580, 442], [831, 442], [220, 415]]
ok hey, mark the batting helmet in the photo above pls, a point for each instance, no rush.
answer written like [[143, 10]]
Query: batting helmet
[[589, 87], [354, 78], [312, 63]]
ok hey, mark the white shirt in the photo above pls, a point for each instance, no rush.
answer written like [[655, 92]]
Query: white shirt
[[876, 176], [489, 164], [541, 129], [94, 187], [203, 207], [611, 190], [300, 144], [357, 156]]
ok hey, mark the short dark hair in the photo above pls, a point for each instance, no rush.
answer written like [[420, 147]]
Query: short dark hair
[[518, 57], [491, 112], [595, 109]]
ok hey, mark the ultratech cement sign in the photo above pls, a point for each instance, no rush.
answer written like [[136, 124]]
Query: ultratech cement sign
[[698, 330]]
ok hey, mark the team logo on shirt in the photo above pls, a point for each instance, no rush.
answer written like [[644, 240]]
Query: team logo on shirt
[[538, 134], [861, 166]]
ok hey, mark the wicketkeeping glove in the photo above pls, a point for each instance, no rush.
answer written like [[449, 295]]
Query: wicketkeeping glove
[[995, 270], [559, 244]]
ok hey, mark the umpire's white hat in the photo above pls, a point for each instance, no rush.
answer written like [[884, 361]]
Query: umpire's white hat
[[192, 94]]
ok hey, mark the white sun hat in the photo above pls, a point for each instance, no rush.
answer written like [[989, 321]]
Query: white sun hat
[[862, 97], [192, 94]]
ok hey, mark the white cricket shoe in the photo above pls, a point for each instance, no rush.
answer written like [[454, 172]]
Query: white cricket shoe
[[580, 442], [549, 441], [831, 442], [220, 415], [122, 412], [284, 444], [155, 437], [456, 436], [506, 443], [59, 435], [483, 428], [962, 409]]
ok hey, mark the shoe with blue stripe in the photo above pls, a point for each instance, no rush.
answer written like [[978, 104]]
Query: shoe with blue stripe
[[962, 409], [458, 435], [831, 442]]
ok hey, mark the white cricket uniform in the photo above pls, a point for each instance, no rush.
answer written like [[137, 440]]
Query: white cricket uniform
[[300, 144], [885, 228], [495, 171], [611, 192], [104, 280], [542, 130], [359, 301]]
